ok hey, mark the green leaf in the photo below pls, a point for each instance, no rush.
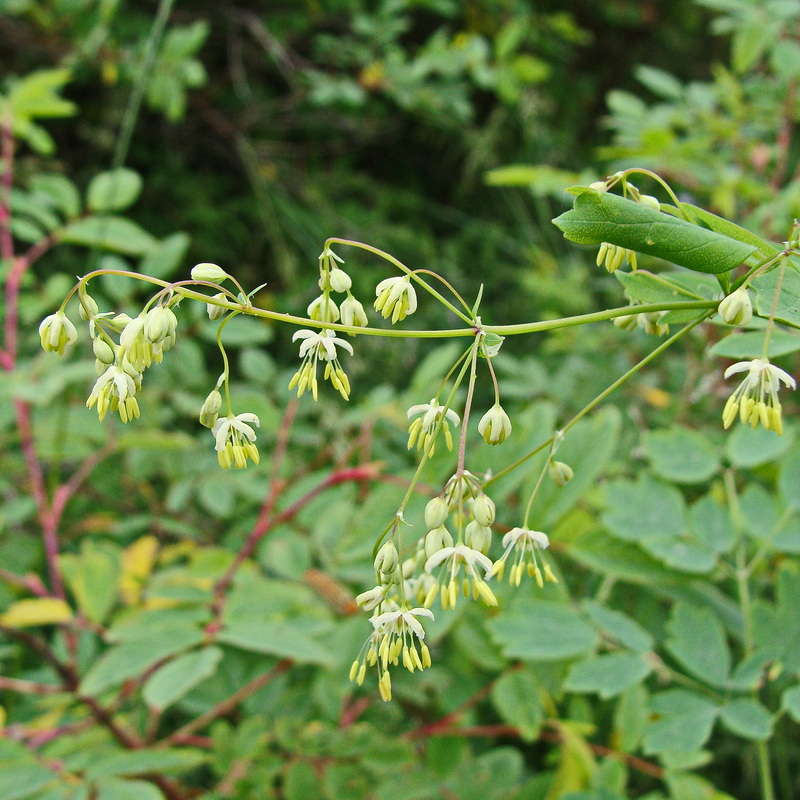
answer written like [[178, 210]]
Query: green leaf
[[137, 762], [643, 509], [681, 455], [281, 639], [598, 217], [118, 789], [787, 308], [789, 480], [790, 702], [117, 234], [710, 522], [19, 782], [776, 627], [697, 640], [301, 782], [607, 675], [515, 695], [176, 678], [59, 190], [114, 190], [165, 257], [724, 226], [684, 722], [747, 718], [538, 630], [93, 577], [749, 447], [621, 627], [630, 718], [742, 346], [646, 287], [130, 659]]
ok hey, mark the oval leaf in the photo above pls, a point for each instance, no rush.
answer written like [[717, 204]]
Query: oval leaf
[[114, 190], [37, 611]]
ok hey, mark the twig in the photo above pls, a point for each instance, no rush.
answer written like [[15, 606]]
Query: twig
[[229, 703]]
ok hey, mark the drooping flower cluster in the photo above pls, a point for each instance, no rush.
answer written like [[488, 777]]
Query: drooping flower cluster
[[431, 418], [523, 543], [321, 346], [756, 398]]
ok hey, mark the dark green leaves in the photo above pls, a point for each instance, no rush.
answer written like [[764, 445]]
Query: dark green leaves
[[598, 217]]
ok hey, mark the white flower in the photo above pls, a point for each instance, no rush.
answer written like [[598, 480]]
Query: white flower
[[494, 425], [395, 634], [756, 398], [396, 297], [114, 390], [235, 439], [424, 429], [453, 560], [316, 346], [56, 332], [353, 314], [524, 542]]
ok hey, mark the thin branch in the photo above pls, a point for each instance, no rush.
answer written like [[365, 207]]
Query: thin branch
[[28, 687], [230, 703]]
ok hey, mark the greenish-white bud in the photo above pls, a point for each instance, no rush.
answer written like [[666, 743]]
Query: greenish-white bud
[[736, 308], [353, 314], [209, 272], [340, 281], [437, 539], [103, 351], [159, 324], [599, 186], [560, 473], [650, 201], [87, 307], [627, 323], [483, 509], [323, 309], [210, 409], [387, 560], [436, 512], [215, 311], [56, 332], [478, 536]]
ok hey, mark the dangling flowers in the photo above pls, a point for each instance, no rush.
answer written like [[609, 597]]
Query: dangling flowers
[[524, 542], [114, 390], [423, 429], [396, 634], [454, 560], [396, 297], [235, 440], [56, 332], [756, 398], [320, 345]]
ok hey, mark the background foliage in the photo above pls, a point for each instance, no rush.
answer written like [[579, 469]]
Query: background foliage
[[664, 664]]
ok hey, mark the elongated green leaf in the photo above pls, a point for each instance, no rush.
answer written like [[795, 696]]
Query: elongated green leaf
[[114, 190], [120, 789], [20, 782], [625, 630], [109, 233], [698, 641], [646, 287], [747, 718], [280, 639], [175, 679], [787, 308], [724, 226], [138, 762], [598, 217]]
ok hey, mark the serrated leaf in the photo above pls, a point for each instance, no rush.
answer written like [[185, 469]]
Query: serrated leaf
[[697, 640], [538, 630], [36, 611], [681, 455], [117, 234], [175, 679], [607, 675], [747, 718], [621, 627], [114, 190], [644, 509], [515, 695], [684, 722], [598, 217]]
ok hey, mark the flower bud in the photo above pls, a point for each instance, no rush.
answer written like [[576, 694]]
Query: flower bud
[[88, 307], [323, 309], [209, 272], [736, 308], [387, 560], [478, 536], [340, 281], [210, 409], [436, 512], [650, 201], [483, 509], [437, 539], [103, 351], [495, 425], [371, 598], [214, 311], [160, 323], [599, 186], [627, 323], [56, 332], [560, 473]]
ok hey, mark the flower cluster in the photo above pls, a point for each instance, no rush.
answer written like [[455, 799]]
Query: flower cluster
[[319, 346], [431, 418], [756, 398]]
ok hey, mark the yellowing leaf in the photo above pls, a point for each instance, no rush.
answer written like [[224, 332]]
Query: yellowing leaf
[[36, 611], [137, 564]]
